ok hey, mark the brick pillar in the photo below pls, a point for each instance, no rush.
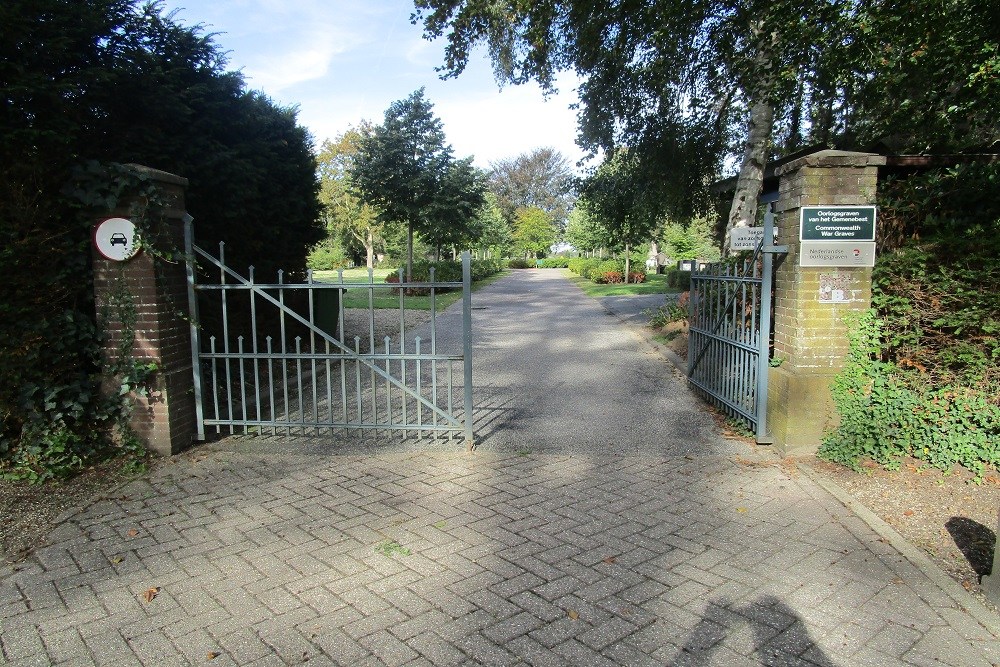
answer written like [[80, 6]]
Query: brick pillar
[[810, 335], [165, 419]]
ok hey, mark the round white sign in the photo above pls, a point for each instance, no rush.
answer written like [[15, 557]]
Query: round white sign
[[115, 238]]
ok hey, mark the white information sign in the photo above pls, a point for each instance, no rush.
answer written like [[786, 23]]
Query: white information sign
[[115, 239], [745, 238], [837, 253]]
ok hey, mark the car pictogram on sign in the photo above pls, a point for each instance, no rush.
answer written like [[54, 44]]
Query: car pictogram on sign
[[119, 239]]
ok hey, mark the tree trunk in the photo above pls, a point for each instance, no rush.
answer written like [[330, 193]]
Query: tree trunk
[[628, 258], [750, 181]]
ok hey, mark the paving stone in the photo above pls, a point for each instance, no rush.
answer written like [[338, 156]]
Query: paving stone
[[265, 550]]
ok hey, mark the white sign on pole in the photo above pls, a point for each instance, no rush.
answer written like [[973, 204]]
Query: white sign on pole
[[837, 253], [745, 238], [115, 239]]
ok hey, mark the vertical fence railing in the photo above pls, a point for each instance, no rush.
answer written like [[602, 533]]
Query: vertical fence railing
[[320, 375]]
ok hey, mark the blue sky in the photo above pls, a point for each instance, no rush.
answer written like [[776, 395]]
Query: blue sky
[[342, 61]]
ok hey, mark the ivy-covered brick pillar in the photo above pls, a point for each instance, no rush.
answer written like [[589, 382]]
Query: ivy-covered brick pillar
[[141, 308], [810, 341]]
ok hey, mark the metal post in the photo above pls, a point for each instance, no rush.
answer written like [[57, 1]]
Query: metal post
[[764, 337], [467, 344], [193, 314]]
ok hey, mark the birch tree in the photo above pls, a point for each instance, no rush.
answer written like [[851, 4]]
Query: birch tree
[[684, 84]]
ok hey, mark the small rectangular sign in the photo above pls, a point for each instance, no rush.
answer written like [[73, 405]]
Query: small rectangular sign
[[745, 238], [837, 253], [837, 223]]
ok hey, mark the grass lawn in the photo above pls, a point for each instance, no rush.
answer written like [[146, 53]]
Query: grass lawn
[[358, 297], [654, 284]]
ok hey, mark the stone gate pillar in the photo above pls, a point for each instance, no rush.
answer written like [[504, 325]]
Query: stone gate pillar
[[165, 419], [810, 338]]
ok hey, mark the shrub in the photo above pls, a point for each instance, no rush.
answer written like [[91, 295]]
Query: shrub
[[449, 271], [678, 279], [557, 262], [327, 255], [609, 278], [672, 311], [637, 277], [887, 412], [519, 263]]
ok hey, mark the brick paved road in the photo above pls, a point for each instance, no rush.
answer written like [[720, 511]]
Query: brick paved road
[[660, 554]]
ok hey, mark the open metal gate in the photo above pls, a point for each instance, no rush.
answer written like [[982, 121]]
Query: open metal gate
[[274, 358], [729, 336]]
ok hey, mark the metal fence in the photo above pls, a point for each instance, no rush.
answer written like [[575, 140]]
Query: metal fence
[[275, 358], [730, 333]]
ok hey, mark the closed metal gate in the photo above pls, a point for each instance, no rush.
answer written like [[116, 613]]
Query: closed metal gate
[[276, 359], [730, 333]]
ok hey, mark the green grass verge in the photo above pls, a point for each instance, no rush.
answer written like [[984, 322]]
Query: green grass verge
[[654, 284], [358, 297], [355, 275]]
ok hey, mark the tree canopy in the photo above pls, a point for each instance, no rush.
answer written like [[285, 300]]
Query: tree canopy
[[694, 87], [541, 178], [405, 169], [534, 232], [349, 220]]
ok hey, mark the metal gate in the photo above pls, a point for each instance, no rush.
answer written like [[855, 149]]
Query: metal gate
[[276, 358], [730, 333]]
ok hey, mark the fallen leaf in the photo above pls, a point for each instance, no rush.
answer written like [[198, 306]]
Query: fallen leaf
[[212, 655], [132, 532], [151, 593], [967, 585], [573, 615], [741, 509], [117, 559], [908, 513], [609, 560]]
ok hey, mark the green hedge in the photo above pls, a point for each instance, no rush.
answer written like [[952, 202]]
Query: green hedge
[[678, 279], [448, 271]]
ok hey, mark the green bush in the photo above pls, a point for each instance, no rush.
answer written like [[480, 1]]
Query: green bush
[[327, 256], [678, 279], [520, 263], [557, 262], [581, 266], [449, 271], [887, 413]]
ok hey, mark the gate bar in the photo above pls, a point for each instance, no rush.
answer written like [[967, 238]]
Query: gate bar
[[195, 332], [467, 344]]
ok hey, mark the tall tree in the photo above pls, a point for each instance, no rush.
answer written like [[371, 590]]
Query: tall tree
[[620, 204], [452, 219], [582, 230], [656, 72], [541, 178], [495, 232], [534, 232], [347, 216], [401, 163]]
